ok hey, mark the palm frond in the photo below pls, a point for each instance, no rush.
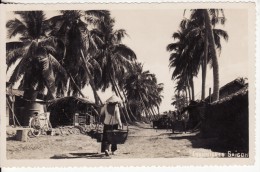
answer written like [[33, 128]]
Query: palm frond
[[221, 33], [125, 51], [15, 27], [96, 39], [173, 46], [98, 13], [48, 74], [57, 66], [96, 66], [118, 35], [19, 70], [13, 55]]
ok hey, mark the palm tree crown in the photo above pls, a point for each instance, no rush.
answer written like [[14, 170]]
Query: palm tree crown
[[35, 50]]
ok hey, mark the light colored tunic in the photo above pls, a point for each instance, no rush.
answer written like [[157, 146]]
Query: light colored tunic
[[111, 119]]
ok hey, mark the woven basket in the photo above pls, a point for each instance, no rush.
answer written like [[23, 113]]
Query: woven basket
[[99, 136], [117, 136]]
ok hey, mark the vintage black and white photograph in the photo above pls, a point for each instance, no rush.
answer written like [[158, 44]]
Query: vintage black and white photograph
[[111, 83]]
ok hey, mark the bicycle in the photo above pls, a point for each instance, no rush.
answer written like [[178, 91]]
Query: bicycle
[[39, 124]]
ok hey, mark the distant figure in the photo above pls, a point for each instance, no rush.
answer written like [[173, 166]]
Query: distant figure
[[112, 121], [184, 119], [173, 120]]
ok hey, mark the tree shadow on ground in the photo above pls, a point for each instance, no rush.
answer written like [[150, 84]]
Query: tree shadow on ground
[[215, 144], [80, 155]]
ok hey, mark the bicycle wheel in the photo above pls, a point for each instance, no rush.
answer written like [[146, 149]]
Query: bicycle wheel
[[34, 124]]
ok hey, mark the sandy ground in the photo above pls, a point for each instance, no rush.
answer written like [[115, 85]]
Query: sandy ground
[[142, 142]]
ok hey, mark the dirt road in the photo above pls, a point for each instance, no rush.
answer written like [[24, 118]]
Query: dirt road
[[142, 142]]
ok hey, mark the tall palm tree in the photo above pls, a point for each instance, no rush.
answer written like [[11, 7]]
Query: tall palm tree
[[191, 47], [208, 18], [37, 67], [114, 57], [185, 59], [79, 43]]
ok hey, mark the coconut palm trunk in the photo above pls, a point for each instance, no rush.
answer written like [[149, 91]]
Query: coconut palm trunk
[[152, 109], [117, 91], [208, 28], [186, 96], [128, 107], [77, 87], [145, 108], [189, 92], [192, 89], [91, 81], [124, 105], [152, 113], [204, 64]]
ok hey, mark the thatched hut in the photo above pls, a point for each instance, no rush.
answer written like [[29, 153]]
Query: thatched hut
[[226, 119], [71, 111]]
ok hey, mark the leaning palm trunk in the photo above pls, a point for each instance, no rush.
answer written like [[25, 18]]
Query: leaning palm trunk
[[158, 113], [188, 88], [145, 107], [215, 95], [77, 87], [91, 81], [152, 114], [152, 109], [192, 89], [117, 91], [186, 96], [128, 107]]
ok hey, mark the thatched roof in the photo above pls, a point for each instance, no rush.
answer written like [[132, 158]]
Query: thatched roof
[[241, 92], [231, 88], [237, 87], [76, 103]]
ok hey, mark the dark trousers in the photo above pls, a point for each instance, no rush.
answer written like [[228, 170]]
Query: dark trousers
[[105, 144]]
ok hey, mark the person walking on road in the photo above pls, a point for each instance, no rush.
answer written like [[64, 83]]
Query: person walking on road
[[112, 121]]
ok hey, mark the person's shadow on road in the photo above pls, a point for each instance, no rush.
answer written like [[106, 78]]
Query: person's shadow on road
[[80, 155]]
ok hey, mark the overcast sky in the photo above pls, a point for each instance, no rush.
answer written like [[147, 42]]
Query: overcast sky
[[150, 32]]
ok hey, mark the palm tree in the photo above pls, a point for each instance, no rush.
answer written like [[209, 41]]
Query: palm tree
[[179, 100], [208, 18], [189, 50], [79, 43], [115, 58], [185, 58], [142, 91], [38, 68]]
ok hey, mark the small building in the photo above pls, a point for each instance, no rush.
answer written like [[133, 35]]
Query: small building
[[72, 111], [19, 108], [226, 119]]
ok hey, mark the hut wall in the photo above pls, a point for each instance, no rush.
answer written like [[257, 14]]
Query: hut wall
[[194, 117], [228, 121]]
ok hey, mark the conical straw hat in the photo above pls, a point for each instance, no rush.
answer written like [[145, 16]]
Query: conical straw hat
[[113, 99]]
